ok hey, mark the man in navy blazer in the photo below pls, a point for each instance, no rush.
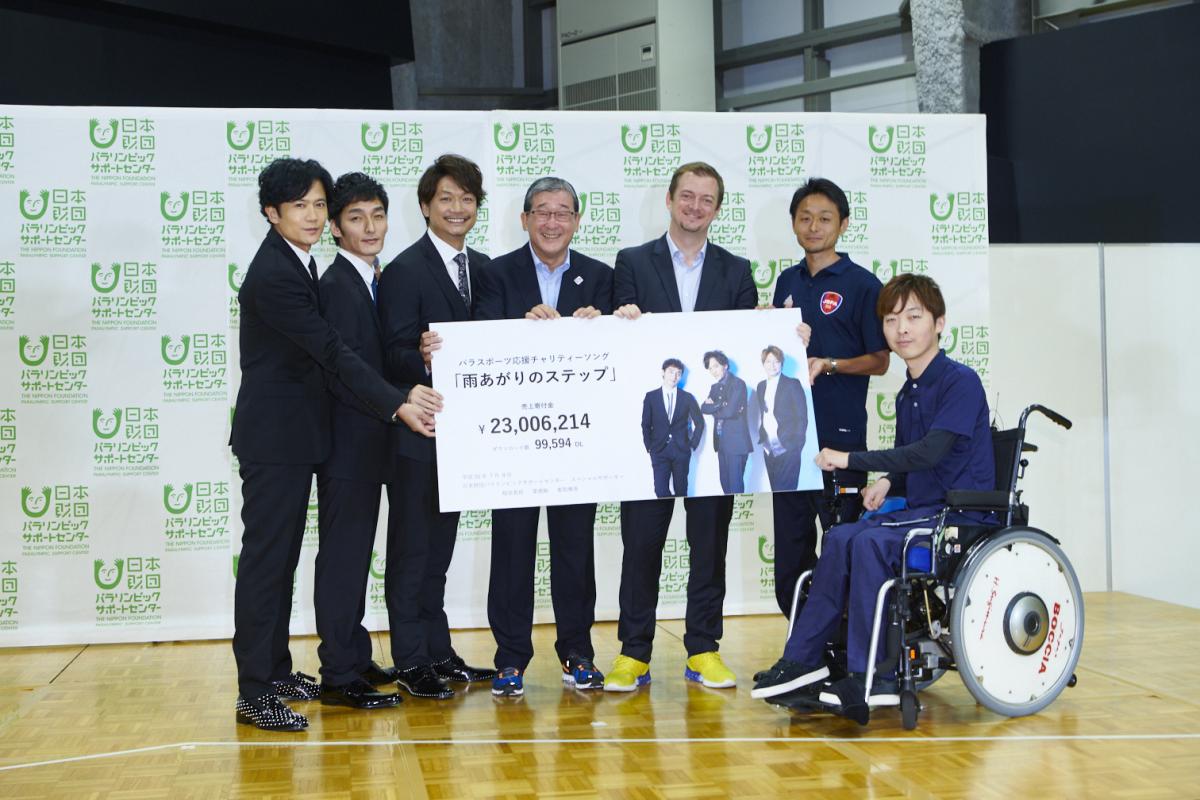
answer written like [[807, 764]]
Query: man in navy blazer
[[350, 482], [681, 271], [281, 431], [671, 429], [726, 401], [544, 280], [783, 422], [434, 280]]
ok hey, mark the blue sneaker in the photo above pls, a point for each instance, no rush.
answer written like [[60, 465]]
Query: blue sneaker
[[508, 683], [581, 673]]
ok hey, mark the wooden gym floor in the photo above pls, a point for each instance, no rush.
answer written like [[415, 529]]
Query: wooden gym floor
[[140, 721]]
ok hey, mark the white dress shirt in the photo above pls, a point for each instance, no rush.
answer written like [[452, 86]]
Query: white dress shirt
[[447, 252], [687, 276]]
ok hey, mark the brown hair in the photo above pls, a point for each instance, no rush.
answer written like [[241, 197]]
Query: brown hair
[[771, 350], [462, 171], [897, 291], [698, 168]]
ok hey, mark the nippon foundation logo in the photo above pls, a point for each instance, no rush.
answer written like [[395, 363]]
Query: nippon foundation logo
[[234, 275], [53, 222], [884, 414], [475, 526], [608, 520], [9, 588], [124, 295], [958, 223], [193, 223], [525, 151], [195, 367], [125, 441], [312, 518], [766, 568], [393, 152], [477, 237], [650, 152], [8, 443], [600, 220], [376, 586], [743, 513], [897, 155], [8, 149], [858, 231], [252, 144], [129, 590], [54, 368], [541, 576], [970, 344], [123, 151], [886, 269], [54, 519], [776, 154], [197, 516], [676, 565], [8, 294], [728, 228]]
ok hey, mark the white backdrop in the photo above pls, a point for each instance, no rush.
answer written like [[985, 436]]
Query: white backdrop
[[124, 234]]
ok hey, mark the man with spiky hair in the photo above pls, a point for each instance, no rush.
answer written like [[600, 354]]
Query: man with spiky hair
[[434, 280], [281, 430]]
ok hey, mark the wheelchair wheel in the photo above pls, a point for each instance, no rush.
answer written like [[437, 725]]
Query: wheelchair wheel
[[909, 708], [1016, 621]]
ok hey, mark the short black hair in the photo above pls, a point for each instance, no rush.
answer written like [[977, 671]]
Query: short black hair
[[354, 187], [463, 171], [673, 362], [821, 186], [288, 179], [718, 355]]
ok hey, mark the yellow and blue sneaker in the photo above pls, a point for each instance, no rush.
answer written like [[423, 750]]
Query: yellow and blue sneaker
[[710, 670], [626, 675]]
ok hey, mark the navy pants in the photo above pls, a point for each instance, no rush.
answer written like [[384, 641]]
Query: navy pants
[[856, 559]]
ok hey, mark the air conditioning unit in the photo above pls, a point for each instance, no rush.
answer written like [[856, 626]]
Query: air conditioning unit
[[636, 55]]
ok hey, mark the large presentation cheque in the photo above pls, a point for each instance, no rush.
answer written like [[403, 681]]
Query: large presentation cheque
[[578, 411]]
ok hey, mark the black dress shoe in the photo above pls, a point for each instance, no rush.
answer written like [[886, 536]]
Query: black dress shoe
[[455, 669], [357, 694], [377, 675], [297, 686], [422, 681], [269, 713]]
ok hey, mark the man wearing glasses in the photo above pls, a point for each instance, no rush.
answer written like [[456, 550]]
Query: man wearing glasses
[[544, 280]]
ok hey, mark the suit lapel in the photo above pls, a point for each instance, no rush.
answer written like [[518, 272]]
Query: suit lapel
[[530, 294], [441, 277], [347, 272], [292, 259], [660, 257], [709, 279], [570, 293]]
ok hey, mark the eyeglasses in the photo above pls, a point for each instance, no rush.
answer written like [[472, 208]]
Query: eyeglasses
[[542, 215]]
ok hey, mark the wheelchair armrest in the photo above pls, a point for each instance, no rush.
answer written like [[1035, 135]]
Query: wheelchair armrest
[[889, 505], [995, 500]]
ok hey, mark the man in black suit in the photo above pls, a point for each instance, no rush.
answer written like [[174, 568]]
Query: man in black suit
[[726, 401], [350, 482], [671, 429], [783, 422], [281, 430], [682, 271], [544, 280], [434, 280]]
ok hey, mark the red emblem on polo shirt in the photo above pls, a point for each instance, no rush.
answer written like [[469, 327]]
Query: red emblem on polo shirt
[[830, 302]]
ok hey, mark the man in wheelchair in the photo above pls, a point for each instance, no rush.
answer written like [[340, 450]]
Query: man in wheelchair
[[943, 443]]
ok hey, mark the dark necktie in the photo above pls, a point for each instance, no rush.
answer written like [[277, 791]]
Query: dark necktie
[[312, 271], [375, 285], [464, 289]]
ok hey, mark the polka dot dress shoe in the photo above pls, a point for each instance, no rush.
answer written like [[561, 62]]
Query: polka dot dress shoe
[[269, 713], [377, 675], [422, 681], [297, 686]]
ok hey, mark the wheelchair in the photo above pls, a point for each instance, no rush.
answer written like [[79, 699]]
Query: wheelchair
[[1000, 604]]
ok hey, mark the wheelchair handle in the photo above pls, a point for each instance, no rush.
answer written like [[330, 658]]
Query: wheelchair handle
[[1048, 412]]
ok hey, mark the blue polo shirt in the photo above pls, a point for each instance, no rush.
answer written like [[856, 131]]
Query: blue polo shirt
[[949, 397], [838, 303]]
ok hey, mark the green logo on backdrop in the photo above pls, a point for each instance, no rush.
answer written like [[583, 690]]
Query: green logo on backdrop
[[173, 210], [107, 578], [763, 273], [36, 210], [758, 142], [880, 143], [501, 138], [235, 280], [35, 355], [368, 136], [766, 550], [114, 272], [35, 509], [941, 209], [175, 354], [642, 137], [177, 502], [949, 346], [106, 428], [378, 566], [94, 126], [885, 406], [235, 565], [238, 138]]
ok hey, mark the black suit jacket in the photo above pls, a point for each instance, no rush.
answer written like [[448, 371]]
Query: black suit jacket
[[671, 437], [282, 411], [360, 442], [645, 276], [791, 412], [509, 286], [414, 291], [731, 433]]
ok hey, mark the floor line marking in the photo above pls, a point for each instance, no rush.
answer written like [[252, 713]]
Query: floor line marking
[[1100, 737]]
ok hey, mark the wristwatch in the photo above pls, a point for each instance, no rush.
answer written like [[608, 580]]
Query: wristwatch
[[832, 367]]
